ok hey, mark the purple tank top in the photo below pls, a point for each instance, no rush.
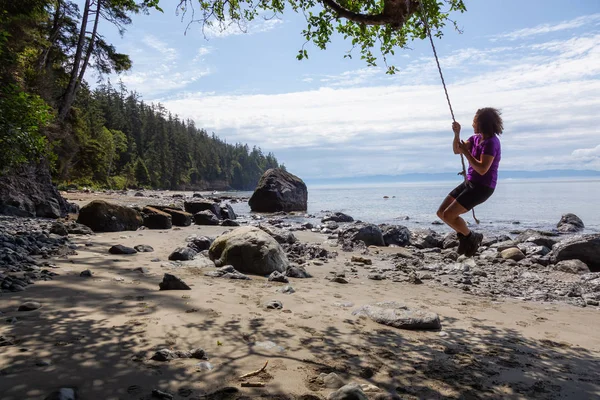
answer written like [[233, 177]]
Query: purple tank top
[[490, 146]]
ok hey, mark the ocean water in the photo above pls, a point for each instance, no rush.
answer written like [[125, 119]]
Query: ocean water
[[515, 205]]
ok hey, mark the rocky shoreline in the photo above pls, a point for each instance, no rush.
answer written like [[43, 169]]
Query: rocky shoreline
[[529, 265]]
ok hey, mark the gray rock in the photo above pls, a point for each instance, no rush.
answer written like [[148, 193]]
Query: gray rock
[[572, 267], [78, 229], [164, 355], [227, 212], [182, 254], [294, 271], [274, 305], [277, 276], [426, 239], [570, 223], [171, 282], [229, 222], [143, 248], [351, 391], [29, 306], [397, 235], [337, 217], [86, 274], [199, 244], [120, 249], [249, 250], [332, 380], [400, 316], [206, 217], [279, 190], [196, 206], [512, 253], [369, 234], [58, 228], [581, 247]]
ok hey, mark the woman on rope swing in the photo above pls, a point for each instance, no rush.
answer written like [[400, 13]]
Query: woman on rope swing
[[482, 150]]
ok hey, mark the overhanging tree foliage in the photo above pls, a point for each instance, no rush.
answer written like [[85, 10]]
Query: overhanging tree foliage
[[370, 25]]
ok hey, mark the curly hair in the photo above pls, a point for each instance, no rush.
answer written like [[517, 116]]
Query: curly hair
[[489, 121]]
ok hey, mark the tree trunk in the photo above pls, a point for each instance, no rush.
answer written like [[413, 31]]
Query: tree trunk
[[90, 47], [69, 95], [52, 37]]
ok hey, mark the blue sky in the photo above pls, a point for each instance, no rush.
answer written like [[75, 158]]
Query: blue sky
[[538, 61]]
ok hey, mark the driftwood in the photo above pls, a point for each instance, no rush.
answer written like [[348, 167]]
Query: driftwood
[[258, 371]]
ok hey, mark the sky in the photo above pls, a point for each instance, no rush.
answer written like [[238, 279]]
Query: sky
[[538, 61]]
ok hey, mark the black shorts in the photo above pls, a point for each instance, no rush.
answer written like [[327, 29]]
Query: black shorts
[[469, 197]]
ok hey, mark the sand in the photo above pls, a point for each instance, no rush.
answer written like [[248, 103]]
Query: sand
[[97, 334]]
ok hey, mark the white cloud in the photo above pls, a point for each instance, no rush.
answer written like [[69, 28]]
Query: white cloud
[[548, 93], [549, 28], [159, 67], [587, 154]]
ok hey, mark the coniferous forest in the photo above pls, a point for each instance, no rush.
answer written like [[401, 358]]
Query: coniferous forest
[[105, 136]]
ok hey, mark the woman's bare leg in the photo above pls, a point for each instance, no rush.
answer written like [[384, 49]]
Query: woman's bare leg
[[451, 216]]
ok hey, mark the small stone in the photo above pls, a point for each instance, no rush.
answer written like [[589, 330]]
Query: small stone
[[572, 266], [142, 270], [274, 305], [182, 254], [171, 282], [29, 306], [120, 249], [199, 353], [288, 289], [164, 355], [277, 276], [332, 380], [349, 392], [339, 279], [362, 260], [143, 248], [86, 274]]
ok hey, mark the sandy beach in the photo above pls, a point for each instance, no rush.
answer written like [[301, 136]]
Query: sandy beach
[[97, 335]]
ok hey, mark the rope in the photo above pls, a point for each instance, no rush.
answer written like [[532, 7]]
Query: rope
[[437, 61]]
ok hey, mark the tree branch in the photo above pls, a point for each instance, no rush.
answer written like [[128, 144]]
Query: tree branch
[[368, 19]]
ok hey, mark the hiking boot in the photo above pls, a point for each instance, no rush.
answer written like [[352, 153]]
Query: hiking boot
[[462, 243], [473, 242]]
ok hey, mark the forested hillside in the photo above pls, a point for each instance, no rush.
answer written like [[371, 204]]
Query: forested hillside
[[124, 142], [106, 136]]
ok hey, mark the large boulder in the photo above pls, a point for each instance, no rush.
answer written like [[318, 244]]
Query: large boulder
[[106, 217], [249, 250], [178, 216], [278, 190], [27, 191], [156, 219], [368, 233], [570, 223], [581, 247]]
